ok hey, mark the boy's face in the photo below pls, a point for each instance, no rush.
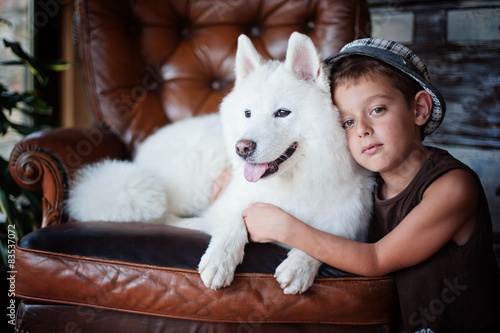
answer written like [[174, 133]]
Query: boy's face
[[381, 128]]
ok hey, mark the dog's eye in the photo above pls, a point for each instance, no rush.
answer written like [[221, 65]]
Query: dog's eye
[[282, 113], [248, 113]]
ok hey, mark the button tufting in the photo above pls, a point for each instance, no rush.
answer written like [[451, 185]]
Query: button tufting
[[255, 31], [217, 84], [185, 33], [310, 25]]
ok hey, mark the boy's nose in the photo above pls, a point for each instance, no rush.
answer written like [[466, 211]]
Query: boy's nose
[[364, 128]]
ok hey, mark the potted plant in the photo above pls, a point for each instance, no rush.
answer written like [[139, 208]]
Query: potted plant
[[20, 208]]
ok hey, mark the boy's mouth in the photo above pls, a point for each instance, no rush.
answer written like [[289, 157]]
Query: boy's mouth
[[256, 171], [371, 149]]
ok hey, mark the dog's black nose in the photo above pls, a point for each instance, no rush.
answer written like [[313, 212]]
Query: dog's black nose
[[245, 148]]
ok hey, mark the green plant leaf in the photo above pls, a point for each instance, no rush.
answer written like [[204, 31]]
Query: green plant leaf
[[38, 105], [4, 207], [4, 123], [26, 59], [56, 65], [17, 49], [6, 182], [24, 129], [38, 67], [10, 99], [6, 187]]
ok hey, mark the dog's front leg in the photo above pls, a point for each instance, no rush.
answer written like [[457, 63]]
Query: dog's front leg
[[224, 253], [296, 273]]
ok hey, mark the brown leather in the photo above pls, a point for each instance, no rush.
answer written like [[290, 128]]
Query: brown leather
[[158, 61], [150, 62], [93, 264], [180, 293], [66, 318]]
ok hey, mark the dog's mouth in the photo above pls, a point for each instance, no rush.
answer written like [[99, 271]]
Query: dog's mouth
[[256, 171]]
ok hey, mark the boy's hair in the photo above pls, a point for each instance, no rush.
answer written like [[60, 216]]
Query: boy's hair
[[352, 69]]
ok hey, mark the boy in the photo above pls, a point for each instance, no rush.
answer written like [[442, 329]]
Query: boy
[[431, 226]]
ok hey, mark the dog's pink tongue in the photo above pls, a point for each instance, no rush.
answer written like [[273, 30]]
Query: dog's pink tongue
[[253, 171]]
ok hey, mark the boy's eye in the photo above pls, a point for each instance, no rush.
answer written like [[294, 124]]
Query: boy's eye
[[377, 111], [348, 123], [248, 113], [282, 113]]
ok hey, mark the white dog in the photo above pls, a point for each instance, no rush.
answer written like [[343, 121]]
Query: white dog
[[282, 135]]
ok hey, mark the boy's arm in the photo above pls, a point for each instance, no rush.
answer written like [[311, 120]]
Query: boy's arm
[[448, 211], [268, 223]]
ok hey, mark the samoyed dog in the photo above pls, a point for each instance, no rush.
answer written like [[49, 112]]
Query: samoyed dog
[[282, 136]]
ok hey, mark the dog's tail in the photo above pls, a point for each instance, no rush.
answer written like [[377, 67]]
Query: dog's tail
[[119, 191]]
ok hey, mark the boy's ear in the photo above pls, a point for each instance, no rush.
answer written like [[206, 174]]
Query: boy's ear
[[423, 107]]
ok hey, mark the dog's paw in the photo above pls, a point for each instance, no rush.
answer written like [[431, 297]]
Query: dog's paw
[[296, 273], [226, 248], [216, 270], [223, 254], [293, 278]]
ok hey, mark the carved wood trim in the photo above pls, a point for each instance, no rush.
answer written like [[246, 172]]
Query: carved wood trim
[[35, 170]]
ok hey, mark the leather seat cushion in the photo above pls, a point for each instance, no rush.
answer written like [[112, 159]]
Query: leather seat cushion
[[68, 318], [151, 269]]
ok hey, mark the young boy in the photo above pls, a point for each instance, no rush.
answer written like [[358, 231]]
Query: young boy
[[431, 226]]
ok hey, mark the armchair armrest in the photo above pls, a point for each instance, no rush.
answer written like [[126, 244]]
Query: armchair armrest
[[47, 161]]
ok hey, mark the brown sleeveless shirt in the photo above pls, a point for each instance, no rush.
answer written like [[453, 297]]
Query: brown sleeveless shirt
[[458, 288]]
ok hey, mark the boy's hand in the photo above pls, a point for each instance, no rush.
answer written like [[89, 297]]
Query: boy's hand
[[265, 222], [220, 183]]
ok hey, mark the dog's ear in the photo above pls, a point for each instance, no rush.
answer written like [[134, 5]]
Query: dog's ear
[[302, 58], [247, 58]]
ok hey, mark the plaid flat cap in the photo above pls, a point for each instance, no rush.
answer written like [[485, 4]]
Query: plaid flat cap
[[402, 58]]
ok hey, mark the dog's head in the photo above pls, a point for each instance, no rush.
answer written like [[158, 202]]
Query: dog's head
[[273, 110]]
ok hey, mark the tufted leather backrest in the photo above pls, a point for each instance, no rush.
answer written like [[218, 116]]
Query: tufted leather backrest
[[150, 62]]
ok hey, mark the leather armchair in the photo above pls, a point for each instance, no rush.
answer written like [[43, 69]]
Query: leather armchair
[[145, 64]]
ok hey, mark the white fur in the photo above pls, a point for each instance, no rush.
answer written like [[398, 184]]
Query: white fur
[[319, 184], [107, 191]]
